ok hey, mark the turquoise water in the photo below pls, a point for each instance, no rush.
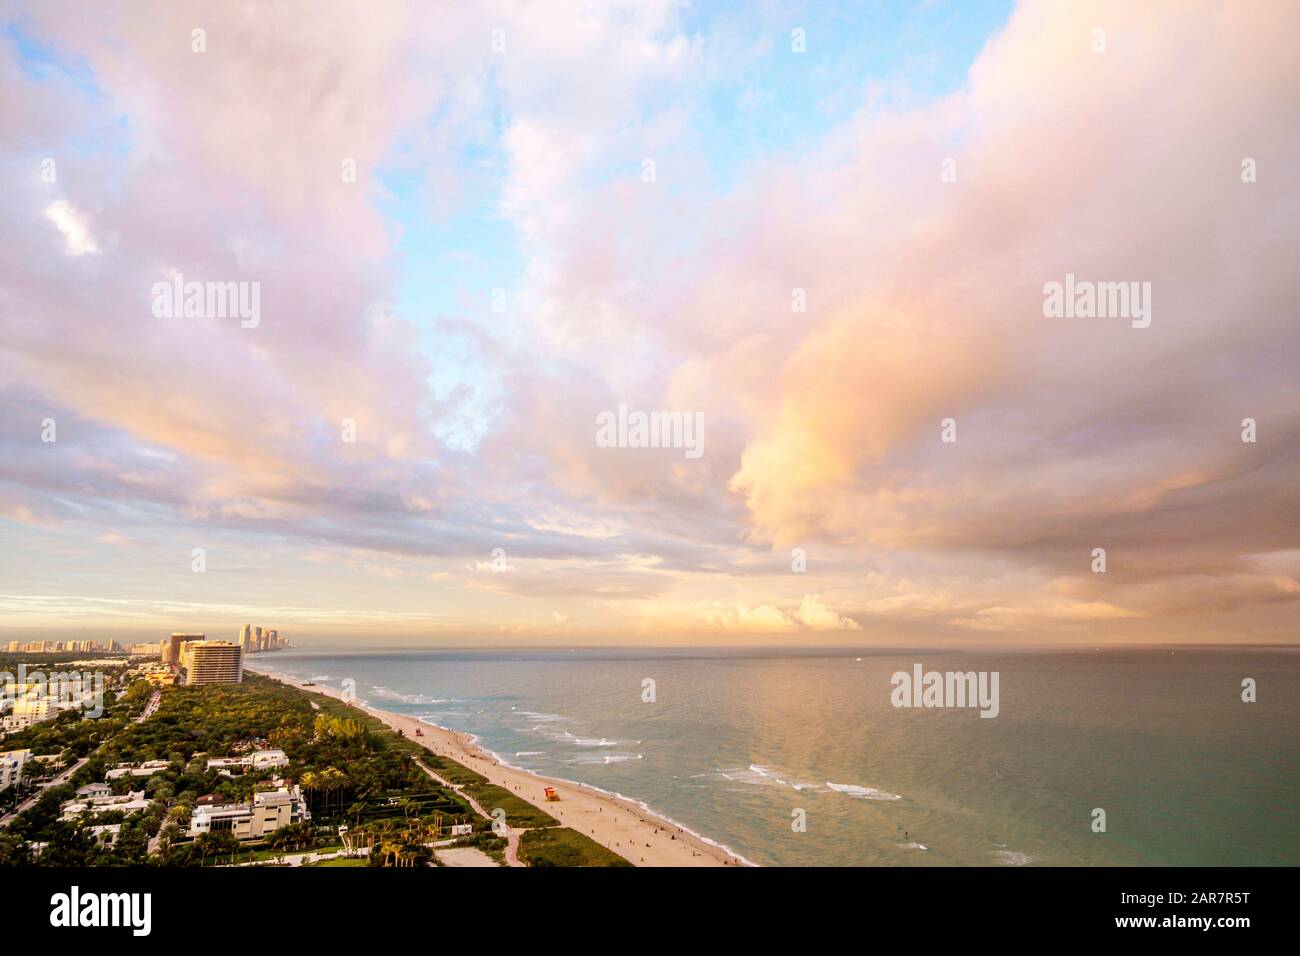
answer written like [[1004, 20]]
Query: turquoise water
[[736, 742]]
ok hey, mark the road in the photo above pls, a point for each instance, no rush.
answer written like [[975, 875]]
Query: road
[[63, 777], [150, 709]]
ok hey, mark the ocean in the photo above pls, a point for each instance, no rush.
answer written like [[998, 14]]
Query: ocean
[[744, 746]]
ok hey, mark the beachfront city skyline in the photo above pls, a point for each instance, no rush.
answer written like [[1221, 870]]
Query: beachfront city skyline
[[649, 323]]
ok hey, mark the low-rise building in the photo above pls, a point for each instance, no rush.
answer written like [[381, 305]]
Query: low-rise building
[[31, 707], [257, 760], [146, 769], [11, 767], [269, 811], [106, 833], [127, 803]]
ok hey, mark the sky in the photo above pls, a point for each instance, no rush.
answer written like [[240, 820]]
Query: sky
[[824, 231]]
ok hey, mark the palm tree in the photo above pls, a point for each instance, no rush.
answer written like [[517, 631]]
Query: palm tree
[[310, 782], [355, 812], [333, 781]]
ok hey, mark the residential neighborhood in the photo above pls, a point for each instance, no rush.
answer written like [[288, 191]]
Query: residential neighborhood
[[189, 761]]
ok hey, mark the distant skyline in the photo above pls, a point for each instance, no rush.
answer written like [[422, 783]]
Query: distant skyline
[[826, 233]]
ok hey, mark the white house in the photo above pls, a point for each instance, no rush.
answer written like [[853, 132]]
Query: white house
[[258, 760], [146, 769], [106, 833], [127, 803], [269, 811]]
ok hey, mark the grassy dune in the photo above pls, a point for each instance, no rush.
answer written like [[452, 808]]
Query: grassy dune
[[560, 846]]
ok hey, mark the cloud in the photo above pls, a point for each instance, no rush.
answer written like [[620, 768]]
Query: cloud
[[73, 225], [824, 426], [815, 614], [736, 617]]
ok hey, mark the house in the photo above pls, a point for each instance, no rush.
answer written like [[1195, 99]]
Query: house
[[267, 759], [106, 833], [269, 811], [146, 769], [257, 760], [127, 803], [94, 790]]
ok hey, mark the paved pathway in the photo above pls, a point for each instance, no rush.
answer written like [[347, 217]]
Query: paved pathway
[[61, 778], [512, 833]]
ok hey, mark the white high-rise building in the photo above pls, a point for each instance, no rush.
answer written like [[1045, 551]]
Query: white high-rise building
[[212, 662]]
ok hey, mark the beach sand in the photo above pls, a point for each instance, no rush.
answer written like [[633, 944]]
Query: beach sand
[[621, 825]]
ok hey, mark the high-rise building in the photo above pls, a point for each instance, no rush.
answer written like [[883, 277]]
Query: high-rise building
[[171, 653], [246, 638], [212, 662], [273, 640]]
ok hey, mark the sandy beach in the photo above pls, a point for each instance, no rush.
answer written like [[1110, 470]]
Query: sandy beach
[[621, 825]]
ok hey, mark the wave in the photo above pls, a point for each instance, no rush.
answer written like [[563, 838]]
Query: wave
[[424, 699], [530, 753], [767, 773], [640, 804], [1012, 858], [592, 759], [758, 776], [439, 714], [862, 793], [650, 811]]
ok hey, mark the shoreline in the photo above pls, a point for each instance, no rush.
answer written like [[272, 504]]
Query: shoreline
[[639, 834]]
